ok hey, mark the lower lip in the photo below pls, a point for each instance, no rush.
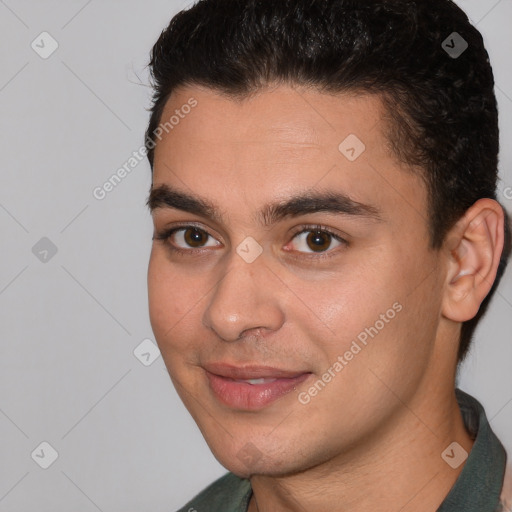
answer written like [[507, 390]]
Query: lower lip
[[251, 397]]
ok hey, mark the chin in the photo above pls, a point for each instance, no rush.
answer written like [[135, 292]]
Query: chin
[[252, 457]]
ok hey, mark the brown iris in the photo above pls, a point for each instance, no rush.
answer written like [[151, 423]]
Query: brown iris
[[318, 240], [195, 236]]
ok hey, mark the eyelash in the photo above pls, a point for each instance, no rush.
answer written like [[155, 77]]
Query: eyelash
[[166, 234]]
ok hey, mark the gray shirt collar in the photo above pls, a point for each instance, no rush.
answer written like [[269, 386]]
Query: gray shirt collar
[[479, 484]]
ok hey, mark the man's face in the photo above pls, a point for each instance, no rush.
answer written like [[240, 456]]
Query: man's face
[[255, 296]]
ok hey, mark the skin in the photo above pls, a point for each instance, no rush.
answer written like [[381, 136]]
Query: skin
[[372, 438]]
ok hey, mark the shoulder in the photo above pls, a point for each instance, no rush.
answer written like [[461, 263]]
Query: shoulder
[[229, 493]]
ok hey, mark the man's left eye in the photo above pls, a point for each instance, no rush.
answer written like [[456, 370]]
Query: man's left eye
[[317, 240]]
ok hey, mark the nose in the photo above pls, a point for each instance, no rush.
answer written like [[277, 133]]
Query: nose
[[246, 298]]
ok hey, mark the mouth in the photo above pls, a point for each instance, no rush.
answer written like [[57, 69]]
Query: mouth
[[251, 388]]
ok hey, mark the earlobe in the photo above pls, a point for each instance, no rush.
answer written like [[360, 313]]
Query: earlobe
[[473, 249]]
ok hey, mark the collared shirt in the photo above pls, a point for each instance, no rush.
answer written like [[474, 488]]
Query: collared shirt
[[482, 486]]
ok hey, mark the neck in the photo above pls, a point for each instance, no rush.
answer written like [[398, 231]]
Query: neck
[[400, 469]]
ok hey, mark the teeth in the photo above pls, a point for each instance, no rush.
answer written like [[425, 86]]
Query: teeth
[[257, 381]]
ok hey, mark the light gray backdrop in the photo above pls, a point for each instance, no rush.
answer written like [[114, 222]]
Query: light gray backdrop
[[73, 299]]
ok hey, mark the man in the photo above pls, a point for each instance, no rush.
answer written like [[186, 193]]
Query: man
[[327, 237]]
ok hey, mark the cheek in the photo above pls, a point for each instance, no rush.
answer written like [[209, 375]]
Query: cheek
[[171, 300], [372, 305], [159, 293], [344, 303], [401, 352]]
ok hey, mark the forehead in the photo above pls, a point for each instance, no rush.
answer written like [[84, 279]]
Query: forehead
[[279, 115], [280, 140]]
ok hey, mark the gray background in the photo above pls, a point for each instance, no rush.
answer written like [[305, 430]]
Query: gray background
[[70, 321]]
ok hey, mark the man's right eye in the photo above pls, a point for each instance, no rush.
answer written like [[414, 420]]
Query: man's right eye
[[185, 239]]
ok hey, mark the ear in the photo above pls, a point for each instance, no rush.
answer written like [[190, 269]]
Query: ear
[[473, 247]]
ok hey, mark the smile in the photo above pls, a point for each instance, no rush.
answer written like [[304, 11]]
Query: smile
[[251, 387]]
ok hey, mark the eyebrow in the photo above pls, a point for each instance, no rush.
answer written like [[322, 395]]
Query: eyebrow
[[164, 196]]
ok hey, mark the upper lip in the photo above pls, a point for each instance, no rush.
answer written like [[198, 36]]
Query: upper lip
[[250, 371]]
